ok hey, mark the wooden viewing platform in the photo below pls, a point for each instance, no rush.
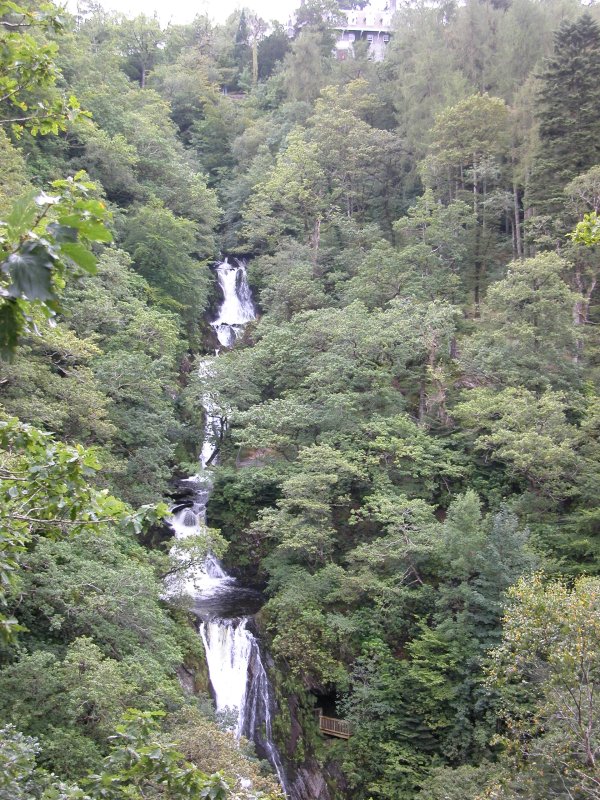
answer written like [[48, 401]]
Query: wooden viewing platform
[[334, 727]]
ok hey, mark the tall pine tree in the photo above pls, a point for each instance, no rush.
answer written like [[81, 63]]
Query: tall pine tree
[[569, 118]]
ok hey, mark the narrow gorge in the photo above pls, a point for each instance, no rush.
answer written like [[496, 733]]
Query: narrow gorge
[[240, 685]]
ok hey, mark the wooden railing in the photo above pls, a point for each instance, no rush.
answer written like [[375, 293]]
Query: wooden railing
[[335, 727]]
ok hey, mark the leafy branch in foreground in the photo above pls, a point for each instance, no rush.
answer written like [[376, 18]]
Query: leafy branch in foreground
[[140, 762], [44, 239], [29, 99], [140, 765], [551, 645], [46, 491]]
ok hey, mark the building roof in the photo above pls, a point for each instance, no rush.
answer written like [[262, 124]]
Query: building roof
[[367, 19]]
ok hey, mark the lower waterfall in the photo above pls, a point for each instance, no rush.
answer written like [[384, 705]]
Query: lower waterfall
[[228, 646], [240, 684], [239, 681]]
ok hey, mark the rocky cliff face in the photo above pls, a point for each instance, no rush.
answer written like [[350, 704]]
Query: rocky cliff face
[[310, 784]]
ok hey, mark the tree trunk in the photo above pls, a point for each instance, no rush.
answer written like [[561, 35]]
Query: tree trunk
[[453, 348], [480, 225], [581, 307], [422, 402], [517, 222], [478, 267], [316, 239], [255, 61]]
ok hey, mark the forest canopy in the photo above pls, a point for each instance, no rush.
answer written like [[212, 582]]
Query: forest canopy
[[409, 462]]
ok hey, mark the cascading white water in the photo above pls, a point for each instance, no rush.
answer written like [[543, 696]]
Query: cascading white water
[[228, 646], [213, 421], [237, 308], [237, 675], [241, 684], [195, 579], [257, 724]]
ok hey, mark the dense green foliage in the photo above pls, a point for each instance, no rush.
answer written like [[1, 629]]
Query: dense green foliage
[[411, 467]]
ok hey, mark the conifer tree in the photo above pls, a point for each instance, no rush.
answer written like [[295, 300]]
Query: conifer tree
[[568, 103]]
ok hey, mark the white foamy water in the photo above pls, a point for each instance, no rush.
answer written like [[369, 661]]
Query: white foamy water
[[237, 308], [228, 645]]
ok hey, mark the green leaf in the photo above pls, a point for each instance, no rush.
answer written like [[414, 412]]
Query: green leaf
[[81, 256], [23, 215], [92, 206], [96, 231], [30, 270], [91, 229], [62, 233]]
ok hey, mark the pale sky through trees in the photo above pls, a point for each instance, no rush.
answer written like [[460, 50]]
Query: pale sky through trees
[[181, 11]]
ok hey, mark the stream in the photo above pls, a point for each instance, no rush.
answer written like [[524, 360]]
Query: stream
[[239, 681]]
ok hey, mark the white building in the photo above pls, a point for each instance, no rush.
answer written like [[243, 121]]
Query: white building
[[368, 24]]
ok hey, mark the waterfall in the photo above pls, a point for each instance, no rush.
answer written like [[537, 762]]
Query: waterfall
[[189, 519], [228, 646], [213, 422], [237, 308], [235, 311], [257, 721], [240, 682], [238, 678]]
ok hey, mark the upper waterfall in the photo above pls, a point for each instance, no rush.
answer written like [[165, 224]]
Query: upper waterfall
[[237, 308]]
